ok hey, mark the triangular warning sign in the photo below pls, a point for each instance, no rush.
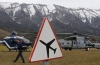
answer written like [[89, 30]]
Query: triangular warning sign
[[46, 46]]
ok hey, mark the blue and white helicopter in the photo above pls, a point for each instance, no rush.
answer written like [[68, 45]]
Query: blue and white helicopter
[[10, 43]]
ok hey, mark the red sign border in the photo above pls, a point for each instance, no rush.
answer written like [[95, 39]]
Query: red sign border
[[33, 49]]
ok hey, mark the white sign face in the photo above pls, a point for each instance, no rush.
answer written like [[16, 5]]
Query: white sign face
[[46, 46]]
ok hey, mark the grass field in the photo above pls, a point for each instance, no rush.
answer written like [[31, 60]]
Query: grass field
[[74, 57]]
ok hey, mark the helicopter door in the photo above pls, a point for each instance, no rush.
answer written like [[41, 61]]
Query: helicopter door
[[80, 42], [74, 44], [10, 43]]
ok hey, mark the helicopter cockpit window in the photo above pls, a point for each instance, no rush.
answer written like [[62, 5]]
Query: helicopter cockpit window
[[19, 40], [26, 40]]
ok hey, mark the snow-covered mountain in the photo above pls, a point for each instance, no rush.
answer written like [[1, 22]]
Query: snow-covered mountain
[[63, 19]]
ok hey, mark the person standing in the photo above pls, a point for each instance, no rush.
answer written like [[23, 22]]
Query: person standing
[[19, 47]]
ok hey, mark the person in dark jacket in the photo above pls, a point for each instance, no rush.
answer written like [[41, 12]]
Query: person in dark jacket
[[19, 47]]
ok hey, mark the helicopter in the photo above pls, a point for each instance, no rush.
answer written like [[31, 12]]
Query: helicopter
[[9, 42], [75, 41]]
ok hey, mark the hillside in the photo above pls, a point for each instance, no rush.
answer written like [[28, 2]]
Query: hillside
[[28, 17], [3, 34]]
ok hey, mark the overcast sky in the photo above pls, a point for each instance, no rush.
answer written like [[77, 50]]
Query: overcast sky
[[93, 4]]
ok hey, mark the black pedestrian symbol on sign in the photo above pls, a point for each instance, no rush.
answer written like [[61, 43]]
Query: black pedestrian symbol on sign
[[48, 46]]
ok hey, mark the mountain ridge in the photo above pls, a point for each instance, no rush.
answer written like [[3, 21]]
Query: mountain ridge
[[29, 17]]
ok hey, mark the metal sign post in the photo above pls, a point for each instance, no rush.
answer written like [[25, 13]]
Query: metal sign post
[[45, 62]]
